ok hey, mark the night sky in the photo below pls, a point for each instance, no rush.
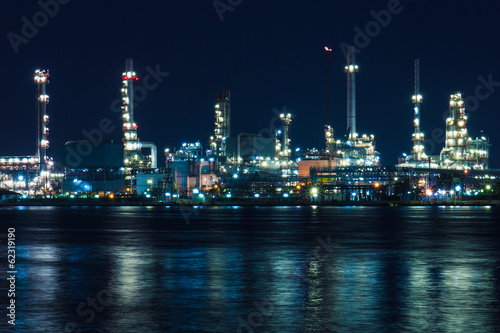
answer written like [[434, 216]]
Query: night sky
[[268, 53]]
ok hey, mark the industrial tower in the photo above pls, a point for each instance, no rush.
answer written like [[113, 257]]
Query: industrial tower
[[132, 146], [417, 137], [41, 80], [454, 153], [351, 69], [286, 119], [222, 123], [329, 133]]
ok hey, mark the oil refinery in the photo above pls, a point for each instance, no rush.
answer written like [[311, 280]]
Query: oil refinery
[[253, 166]]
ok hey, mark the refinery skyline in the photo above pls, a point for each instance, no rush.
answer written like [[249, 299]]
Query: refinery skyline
[[180, 108]]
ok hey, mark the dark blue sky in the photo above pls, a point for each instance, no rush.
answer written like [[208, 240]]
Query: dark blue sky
[[269, 53]]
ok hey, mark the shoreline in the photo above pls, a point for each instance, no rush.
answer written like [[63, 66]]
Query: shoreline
[[245, 203]]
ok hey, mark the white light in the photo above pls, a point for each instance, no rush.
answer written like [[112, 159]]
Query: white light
[[196, 191]]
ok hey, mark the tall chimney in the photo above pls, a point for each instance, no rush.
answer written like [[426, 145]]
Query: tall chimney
[[351, 69]]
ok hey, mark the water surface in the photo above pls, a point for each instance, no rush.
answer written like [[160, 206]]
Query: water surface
[[260, 269]]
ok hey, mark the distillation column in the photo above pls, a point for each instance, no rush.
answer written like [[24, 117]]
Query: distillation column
[[417, 137], [286, 119], [222, 122], [41, 80], [351, 69], [132, 146], [454, 153]]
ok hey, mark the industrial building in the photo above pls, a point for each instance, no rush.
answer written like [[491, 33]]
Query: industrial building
[[347, 169], [191, 170], [31, 175], [248, 147], [98, 170], [133, 156], [222, 131], [353, 150], [460, 152]]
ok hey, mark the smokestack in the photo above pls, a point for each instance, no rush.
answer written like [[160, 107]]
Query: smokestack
[[418, 137], [129, 70], [41, 80], [351, 69], [328, 60], [132, 146]]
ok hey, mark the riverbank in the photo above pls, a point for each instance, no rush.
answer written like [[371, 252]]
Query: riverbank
[[241, 202]]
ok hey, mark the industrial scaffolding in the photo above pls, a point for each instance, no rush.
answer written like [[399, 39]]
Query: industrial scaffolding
[[222, 131]]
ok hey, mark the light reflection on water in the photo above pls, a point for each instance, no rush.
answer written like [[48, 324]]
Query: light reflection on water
[[396, 269]]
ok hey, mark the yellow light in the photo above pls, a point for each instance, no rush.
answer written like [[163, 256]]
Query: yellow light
[[377, 184]]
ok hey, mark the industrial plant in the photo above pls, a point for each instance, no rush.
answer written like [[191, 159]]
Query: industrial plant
[[249, 166]]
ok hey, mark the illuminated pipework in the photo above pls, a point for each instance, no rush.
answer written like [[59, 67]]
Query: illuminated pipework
[[454, 154], [286, 119], [417, 137], [351, 69], [330, 139], [42, 79], [132, 145], [222, 123]]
